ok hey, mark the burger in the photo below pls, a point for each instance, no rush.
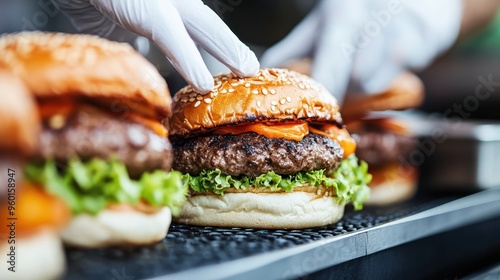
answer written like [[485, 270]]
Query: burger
[[269, 151], [384, 141], [31, 218], [102, 148]]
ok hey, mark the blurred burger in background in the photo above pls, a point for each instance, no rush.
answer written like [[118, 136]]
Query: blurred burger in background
[[269, 151], [30, 217], [101, 146], [383, 141]]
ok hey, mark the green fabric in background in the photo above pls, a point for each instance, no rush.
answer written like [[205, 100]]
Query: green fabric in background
[[486, 41]]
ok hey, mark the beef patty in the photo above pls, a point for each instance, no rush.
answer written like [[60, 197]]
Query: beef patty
[[252, 154], [378, 148], [92, 133]]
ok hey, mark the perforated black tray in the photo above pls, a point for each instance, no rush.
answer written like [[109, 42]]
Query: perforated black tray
[[188, 248]]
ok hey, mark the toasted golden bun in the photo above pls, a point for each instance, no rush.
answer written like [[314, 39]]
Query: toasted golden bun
[[56, 65], [274, 95], [20, 123], [293, 210], [406, 92]]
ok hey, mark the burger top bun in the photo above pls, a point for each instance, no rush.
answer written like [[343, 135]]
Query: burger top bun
[[56, 64], [273, 96], [20, 121], [406, 91]]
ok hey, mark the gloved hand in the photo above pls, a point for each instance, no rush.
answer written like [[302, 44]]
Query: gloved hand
[[363, 45], [175, 26]]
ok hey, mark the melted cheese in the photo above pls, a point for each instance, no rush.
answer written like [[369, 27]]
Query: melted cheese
[[295, 132]]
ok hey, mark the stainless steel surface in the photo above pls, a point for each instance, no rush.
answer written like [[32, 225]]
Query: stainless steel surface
[[305, 259], [457, 154], [454, 153], [492, 273]]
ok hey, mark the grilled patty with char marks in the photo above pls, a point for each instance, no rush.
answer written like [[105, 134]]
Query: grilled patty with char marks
[[90, 132], [252, 154]]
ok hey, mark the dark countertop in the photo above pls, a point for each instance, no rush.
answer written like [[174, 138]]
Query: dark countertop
[[219, 253]]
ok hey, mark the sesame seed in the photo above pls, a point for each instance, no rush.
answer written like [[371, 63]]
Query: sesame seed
[[199, 97], [224, 78], [274, 102], [231, 90], [318, 192], [247, 85], [282, 101], [255, 91], [301, 86], [289, 99], [261, 78], [192, 99], [223, 91], [273, 108], [326, 193], [197, 103], [234, 84], [258, 104], [264, 91], [184, 100], [208, 100], [273, 91]]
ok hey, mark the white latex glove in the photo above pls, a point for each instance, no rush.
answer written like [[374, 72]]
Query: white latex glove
[[362, 46], [175, 26]]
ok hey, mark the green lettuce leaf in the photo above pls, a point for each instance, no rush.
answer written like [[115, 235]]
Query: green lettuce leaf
[[350, 181], [88, 187]]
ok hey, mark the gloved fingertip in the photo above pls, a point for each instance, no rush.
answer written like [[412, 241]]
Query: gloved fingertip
[[250, 66], [203, 87]]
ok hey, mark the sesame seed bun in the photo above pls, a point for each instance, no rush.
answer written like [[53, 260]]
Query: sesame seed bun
[[406, 92], [274, 95], [20, 121], [56, 65]]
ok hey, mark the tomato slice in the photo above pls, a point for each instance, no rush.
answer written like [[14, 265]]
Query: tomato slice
[[51, 108], [152, 124], [296, 132], [66, 106], [34, 209]]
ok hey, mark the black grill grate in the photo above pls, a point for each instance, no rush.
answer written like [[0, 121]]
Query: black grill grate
[[188, 247]]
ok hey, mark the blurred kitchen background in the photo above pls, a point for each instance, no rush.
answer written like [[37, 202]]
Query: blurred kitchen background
[[451, 80], [471, 153]]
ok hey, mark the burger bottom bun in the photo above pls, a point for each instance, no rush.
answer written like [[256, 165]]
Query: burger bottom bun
[[390, 185], [117, 228], [38, 256], [294, 210]]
